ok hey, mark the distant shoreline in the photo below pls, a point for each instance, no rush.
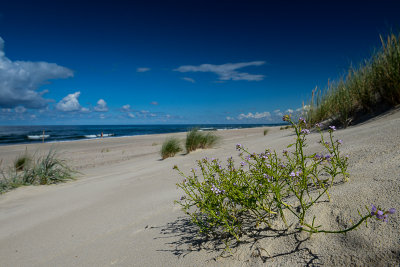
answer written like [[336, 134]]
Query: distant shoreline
[[14, 135]]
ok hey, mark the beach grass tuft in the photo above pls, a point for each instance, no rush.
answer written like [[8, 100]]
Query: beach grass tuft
[[170, 147], [266, 132], [46, 169], [367, 89], [22, 161], [196, 139]]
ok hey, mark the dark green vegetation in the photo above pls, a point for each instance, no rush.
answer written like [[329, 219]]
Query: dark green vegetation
[[22, 162], [46, 169], [265, 132], [196, 139], [170, 147], [368, 89]]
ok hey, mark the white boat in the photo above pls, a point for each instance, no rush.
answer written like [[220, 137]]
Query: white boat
[[37, 137]]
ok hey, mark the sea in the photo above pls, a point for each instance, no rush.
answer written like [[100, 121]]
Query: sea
[[62, 133]]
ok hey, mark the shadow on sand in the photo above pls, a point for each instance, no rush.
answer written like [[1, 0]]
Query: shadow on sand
[[183, 238]]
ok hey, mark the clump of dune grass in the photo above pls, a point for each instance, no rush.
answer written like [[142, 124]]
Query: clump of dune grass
[[196, 139], [366, 89], [22, 162], [170, 147], [266, 132], [46, 169]]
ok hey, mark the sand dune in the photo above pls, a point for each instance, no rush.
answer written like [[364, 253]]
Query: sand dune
[[120, 210]]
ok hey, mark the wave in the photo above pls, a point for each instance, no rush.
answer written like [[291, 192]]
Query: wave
[[91, 136], [36, 137]]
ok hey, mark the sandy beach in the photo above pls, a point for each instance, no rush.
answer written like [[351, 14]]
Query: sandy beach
[[120, 210]]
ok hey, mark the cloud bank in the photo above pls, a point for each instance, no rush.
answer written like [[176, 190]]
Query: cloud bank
[[19, 81], [257, 115], [226, 71]]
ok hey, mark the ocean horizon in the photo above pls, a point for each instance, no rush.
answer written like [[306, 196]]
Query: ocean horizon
[[10, 135]]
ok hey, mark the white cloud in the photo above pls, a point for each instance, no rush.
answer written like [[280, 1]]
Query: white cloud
[[257, 115], [154, 103], [278, 112], [101, 106], [230, 118], [126, 108], [131, 115], [70, 103], [20, 109], [142, 69], [226, 71], [188, 79], [19, 81], [289, 111]]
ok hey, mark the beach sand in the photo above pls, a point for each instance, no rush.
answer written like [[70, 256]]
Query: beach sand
[[120, 211]]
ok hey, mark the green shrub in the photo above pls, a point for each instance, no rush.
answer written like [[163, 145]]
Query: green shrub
[[266, 132], [170, 147], [196, 139]]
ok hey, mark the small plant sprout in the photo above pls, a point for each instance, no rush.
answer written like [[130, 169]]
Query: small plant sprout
[[228, 201]]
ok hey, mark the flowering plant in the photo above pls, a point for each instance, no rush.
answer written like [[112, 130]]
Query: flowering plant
[[229, 200]]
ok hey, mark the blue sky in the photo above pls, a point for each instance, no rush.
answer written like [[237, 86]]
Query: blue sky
[[193, 61]]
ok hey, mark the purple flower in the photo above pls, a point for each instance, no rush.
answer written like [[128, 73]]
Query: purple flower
[[302, 120], [318, 125], [239, 146], [305, 131], [333, 128], [318, 157], [392, 210], [292, 174], [282, 165], [269, 178], [379, 215], [216, 190], [340, 141], [242, 163], [328, 157], [373, 209], [248, 157]]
